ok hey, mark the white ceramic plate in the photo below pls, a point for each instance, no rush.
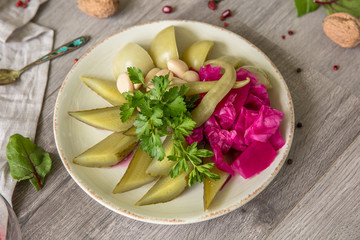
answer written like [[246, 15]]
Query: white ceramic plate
[[73, 137]]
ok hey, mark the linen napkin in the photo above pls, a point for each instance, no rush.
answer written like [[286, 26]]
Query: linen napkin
[[21, 42]]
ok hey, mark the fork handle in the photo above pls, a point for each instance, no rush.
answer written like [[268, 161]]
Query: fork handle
[[64, 49]]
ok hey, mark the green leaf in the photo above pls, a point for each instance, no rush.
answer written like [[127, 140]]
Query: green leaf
[[126, 111], [156, 117], [347, 6], [152, 145], [135, 75], [204, 153], [305, 6], [176, 107], [27, 160], [142, 125]]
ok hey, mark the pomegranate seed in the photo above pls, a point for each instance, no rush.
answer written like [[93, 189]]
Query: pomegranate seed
[[167, 9], [283, 36], [27, 0], [290, 32], [225, 24], [75, 60], [24, 5], [19, 3], [335, 67], [212, 5], [227, 13]]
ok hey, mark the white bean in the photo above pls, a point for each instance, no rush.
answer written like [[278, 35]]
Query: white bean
[[150, 75], [124, 84], [177, 66], [191, 76], [164, 72]]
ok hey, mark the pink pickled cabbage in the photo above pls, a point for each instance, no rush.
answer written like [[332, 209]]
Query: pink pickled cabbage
[[266, 124], [196, 136], [243, 126], [257, 157], [225, 111], [209, 73]]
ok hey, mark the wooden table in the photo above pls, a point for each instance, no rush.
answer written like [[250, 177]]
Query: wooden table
[[315, 197]]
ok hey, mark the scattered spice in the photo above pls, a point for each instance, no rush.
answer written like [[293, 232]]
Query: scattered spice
[[299, 125], [167, 9], [290, 32], [225, 24], [227, 13], [290, 161], [75, 60], [283, 36], [298, 70], [336, 67], [212, 5]]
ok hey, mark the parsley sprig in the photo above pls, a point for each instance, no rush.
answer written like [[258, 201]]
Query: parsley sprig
[[164, 111]]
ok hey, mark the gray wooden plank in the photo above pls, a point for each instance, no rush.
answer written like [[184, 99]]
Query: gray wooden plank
[[325, 106], [332, 207]]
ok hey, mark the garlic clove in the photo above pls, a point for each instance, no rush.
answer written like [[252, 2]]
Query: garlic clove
[[124, 84]]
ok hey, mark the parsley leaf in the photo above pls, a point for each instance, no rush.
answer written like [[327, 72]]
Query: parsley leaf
[[165, 111]]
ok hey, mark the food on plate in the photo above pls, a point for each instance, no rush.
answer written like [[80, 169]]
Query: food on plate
[[196, 54], [163, 47], [211, 186], [104, 118], [107, 152], [162, 168], [207, 106], [260, 74], [105, 89], [166, 189], [169, 106], [135, 175], [132, 55]]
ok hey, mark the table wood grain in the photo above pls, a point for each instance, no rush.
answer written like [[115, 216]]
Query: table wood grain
[[315, 197]]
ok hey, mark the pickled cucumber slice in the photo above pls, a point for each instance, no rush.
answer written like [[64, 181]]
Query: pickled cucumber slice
[[131, 132], [104, 118], [135, 175], [162, 168], [105, 88], [107, 152], [166, 189], [212, 187]]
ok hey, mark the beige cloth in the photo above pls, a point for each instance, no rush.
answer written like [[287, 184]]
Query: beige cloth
[[21, 42]]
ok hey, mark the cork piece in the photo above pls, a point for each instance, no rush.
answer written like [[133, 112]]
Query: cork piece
[[99, 8], [343, 29]]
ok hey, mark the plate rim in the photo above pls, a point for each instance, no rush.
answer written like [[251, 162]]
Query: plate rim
[[174, 221]]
